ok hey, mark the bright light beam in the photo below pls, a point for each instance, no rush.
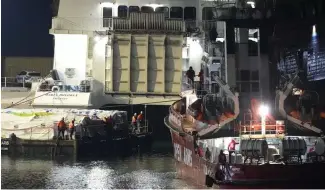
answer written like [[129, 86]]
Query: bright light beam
[[263, 110], [314, 34]]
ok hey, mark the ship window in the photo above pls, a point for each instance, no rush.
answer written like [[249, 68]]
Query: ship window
[[189, 13], [176, 12], [122, 11], [244, 75], [208, 13], [255, 87], [147, 9], [134, 9], [255, 75], [164, 10], [107, 12], [252, 48], [244, 87]]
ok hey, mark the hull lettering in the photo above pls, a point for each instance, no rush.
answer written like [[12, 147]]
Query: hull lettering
[[177, 152], [188, 157]]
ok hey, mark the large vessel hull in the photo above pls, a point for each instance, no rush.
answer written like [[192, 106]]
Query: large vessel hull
[[191, 167]]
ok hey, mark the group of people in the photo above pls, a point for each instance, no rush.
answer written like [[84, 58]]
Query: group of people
[[137, 121], [62, 127]]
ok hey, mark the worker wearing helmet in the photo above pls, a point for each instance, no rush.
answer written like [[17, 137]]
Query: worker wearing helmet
[[61, 127], [134, 121], [140, 120], [71, 128]]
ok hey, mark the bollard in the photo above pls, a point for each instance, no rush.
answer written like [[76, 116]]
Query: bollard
[[5, 81]]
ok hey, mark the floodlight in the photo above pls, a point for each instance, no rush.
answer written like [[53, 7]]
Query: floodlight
[[263, 110]]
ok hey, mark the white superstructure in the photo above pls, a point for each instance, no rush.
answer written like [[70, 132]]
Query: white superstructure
[[135, 52]]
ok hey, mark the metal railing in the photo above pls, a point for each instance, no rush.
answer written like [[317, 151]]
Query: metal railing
[[273, 129], [31, 131], [14, 82], [143, 127], [59, 85], [136, 21]]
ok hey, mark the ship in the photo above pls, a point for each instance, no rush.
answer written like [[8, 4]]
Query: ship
[[226, 133]]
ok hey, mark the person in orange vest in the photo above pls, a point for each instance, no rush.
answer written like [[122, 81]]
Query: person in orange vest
[[61, 128], [140, 120], [134, 122], [71, 128]]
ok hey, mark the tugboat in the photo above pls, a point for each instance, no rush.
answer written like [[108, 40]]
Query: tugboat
[[113, 136], [256, 152]]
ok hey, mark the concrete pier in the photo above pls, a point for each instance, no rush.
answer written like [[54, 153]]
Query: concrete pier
[[39, 148]]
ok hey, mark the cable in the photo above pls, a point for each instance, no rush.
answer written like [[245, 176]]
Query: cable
[[29, 94], [151, 103], [28, 100]]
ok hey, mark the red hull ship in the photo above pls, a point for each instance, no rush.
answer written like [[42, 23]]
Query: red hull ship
[[254, 153]]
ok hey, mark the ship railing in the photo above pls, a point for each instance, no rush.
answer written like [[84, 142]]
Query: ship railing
[[256, 129], [143, 127], [23, 82], [81, 23], [148, 21], [60, 86], [136, 21], [11, 82]]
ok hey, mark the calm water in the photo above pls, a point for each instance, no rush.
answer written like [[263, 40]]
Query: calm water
[[147, 171]]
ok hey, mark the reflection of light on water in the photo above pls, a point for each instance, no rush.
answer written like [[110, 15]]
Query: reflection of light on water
[[145, 172], [100, 178]]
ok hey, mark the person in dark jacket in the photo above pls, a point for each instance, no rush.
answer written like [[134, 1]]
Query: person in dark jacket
[[190, 74]]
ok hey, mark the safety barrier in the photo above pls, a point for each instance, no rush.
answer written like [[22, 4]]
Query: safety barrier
[[144, 127], [32, 133], [12, 82], [256, 129], [136, 21]]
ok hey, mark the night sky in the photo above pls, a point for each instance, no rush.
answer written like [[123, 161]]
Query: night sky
[[25, 28]]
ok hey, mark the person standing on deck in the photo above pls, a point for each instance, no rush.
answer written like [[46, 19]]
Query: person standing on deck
[[134, 122], [207, 154], [71, 128], [140, 120], [61, 128], [190, 74]]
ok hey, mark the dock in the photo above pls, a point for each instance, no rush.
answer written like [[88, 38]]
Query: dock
[[39, 148]]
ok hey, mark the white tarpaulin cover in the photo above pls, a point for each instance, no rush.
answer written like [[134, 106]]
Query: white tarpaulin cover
[[39, 124]]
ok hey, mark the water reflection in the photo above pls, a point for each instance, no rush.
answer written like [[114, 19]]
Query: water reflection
[[142, 172]]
